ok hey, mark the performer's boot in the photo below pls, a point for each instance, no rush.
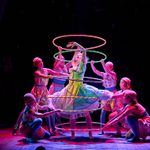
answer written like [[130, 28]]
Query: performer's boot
[[72, 135]]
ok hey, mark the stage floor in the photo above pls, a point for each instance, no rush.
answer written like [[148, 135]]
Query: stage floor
[[62, 141]]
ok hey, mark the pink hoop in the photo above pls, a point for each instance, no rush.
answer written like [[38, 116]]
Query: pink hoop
[[80, 35], [59, 127]]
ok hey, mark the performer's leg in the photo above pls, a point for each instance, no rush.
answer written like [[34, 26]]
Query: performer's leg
[[89, 124], [72, 126], [52, 122], [133, 123], [35, 125], [58, 119], [102, 118], [116, 126], [47, 135], [17, 124], [48, 123]]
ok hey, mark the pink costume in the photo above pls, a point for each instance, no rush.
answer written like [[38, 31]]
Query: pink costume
[[132, 112], [39, 89], [58, 83], [109, 82]]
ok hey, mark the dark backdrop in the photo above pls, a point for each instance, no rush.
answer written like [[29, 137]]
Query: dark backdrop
[[28, 27]]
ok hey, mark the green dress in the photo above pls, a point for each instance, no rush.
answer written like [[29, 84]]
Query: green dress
[[77, 95]]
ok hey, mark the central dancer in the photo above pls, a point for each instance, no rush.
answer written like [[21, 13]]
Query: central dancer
[[77, 97]]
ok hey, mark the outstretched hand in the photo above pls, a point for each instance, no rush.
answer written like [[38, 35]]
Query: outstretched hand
[[75, 44], [92, 62], [60, 48], [58, 110], [102, 60], [71, 44], [50, 76], [65, 74]]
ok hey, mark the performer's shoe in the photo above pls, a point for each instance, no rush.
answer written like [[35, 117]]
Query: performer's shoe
[[53, 133], [90, 135], [30, 140], [129, 135], [134, 139], [14, 131], [72, 135], [100, 133], [72, 138]]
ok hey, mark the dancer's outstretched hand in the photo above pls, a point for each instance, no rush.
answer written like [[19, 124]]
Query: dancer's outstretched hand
[[71, 44], [58, 110]]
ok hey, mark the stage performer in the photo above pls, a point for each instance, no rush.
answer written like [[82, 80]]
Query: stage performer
[[132, 112], [40, 91], [58, 83], [31, 122], [125, 84], [109, 80]]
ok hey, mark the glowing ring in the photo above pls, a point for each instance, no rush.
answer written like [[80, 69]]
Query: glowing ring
[[86, 97], [93, 80], [59, 127], [92, 51], [88, 79], [82, 110], [80, 35]]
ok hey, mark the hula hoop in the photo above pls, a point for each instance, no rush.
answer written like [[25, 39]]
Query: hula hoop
[[84, 97], [91, 51], [79, 111], [84, 110], [92, 80], [80, 35], [88, 79], [59, 127]]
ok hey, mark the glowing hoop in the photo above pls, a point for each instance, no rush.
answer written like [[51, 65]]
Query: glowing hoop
[[84, 97], [92, 80], [80, 35], [82, 110], [59, 127], [88, 79], [91, 51]]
